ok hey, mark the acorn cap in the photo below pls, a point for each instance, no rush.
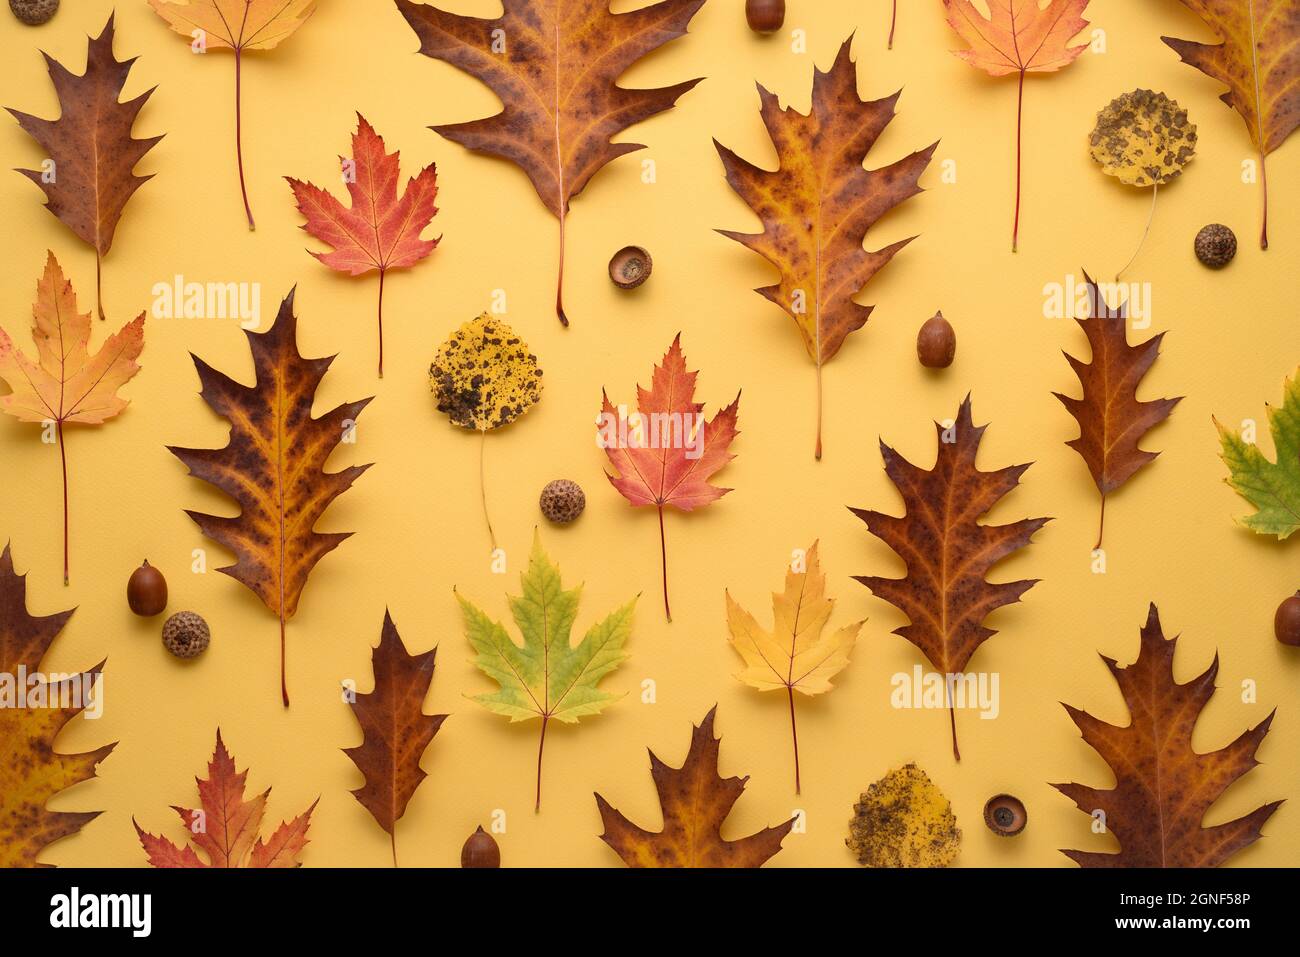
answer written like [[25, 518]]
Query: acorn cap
[[630, 266], [1005, 815]]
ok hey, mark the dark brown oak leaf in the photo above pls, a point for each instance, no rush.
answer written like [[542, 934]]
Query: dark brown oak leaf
[[695, 801], [948, 552], [1111, 419], [91, 147], [1163, 788], [819, 203], [395, 729], [554, 64], [274, 467], [31, 770]]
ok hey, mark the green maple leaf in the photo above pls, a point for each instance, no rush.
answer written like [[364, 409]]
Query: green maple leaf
[[1272, 487], [548, 677]]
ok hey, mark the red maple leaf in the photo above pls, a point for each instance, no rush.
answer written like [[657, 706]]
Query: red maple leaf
[[382, 230], [665, 452]]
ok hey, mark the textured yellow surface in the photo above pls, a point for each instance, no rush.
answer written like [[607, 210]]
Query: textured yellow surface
[[419, 532]]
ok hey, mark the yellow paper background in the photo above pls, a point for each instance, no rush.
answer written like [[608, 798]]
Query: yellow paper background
[[1170, 537]]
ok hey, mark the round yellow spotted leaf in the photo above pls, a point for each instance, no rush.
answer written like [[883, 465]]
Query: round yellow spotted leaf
[[1143, 138], [484, 377]]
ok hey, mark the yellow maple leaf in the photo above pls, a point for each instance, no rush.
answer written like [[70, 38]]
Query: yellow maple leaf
[[798, 653]]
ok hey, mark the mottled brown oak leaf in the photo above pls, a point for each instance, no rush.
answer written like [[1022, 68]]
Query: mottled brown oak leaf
[[395, 729], [225, 828], [555, 66], [695, 801], [947, 551], [274, 467], [1111, 419], [817, 206], [31, 770], [1258, 60], [1163, 788], [90, 146]]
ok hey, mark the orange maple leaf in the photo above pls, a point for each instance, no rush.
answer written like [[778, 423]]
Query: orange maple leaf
[[381, 231], [1021, 37], [665, 452], [554, 64], [66, 384], [1163, 788], [1111, 419], [226, 827], [819, 202]]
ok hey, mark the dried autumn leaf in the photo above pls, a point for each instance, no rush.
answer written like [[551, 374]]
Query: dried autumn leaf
[[554, 64], [798, 653], [1273, 488], [904, 820], [66, 384], [1111, 419], [381, 231], [695, 800], [1021, 37], [91, 147], [239, 26], [1257, 59], [665, 452], [1143, 138], [484, 378], [948, 552], [547, 677], [395, 729], [31, 770], [819, 203], [226, 826], [274, 467], [1163, 788]]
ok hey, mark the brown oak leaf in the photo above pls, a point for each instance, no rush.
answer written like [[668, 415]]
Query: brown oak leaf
[[395, 729], [819, 203], [226, 827], [31, 770], [1163, 788], [91, 147], [1111, 419], [554, 64], [948, 552], [274, 467], [695, 801]]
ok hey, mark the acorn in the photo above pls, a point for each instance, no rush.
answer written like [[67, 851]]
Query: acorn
[[146, 591], [562, 501], [1005, 815], [480, 850], [186, 635], [630, 266], [1215, 245], [34, 12], [765, 16], [1286, 623], [936, 343]]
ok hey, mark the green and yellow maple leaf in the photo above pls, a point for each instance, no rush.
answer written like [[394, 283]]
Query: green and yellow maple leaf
[[1272, 487], [548, 677]]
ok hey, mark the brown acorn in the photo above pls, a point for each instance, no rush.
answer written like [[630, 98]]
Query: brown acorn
[[936, 343], [1005, 815], [765, 16], [480, 850], [630, 266], [146, 591], [1286, 623]]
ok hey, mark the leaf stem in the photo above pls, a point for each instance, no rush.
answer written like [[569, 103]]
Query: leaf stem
[[63, 458], [482, 486], [952, 720], [893, 19], [284, 685], [239, 136], [1263, 178], [1155, 191], [99, 284], [1101, 525], [559, 281], [381, 323], [817, 451], [392, 839], [1020, 112], [663, 555], [541, 746], [795, 735]]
